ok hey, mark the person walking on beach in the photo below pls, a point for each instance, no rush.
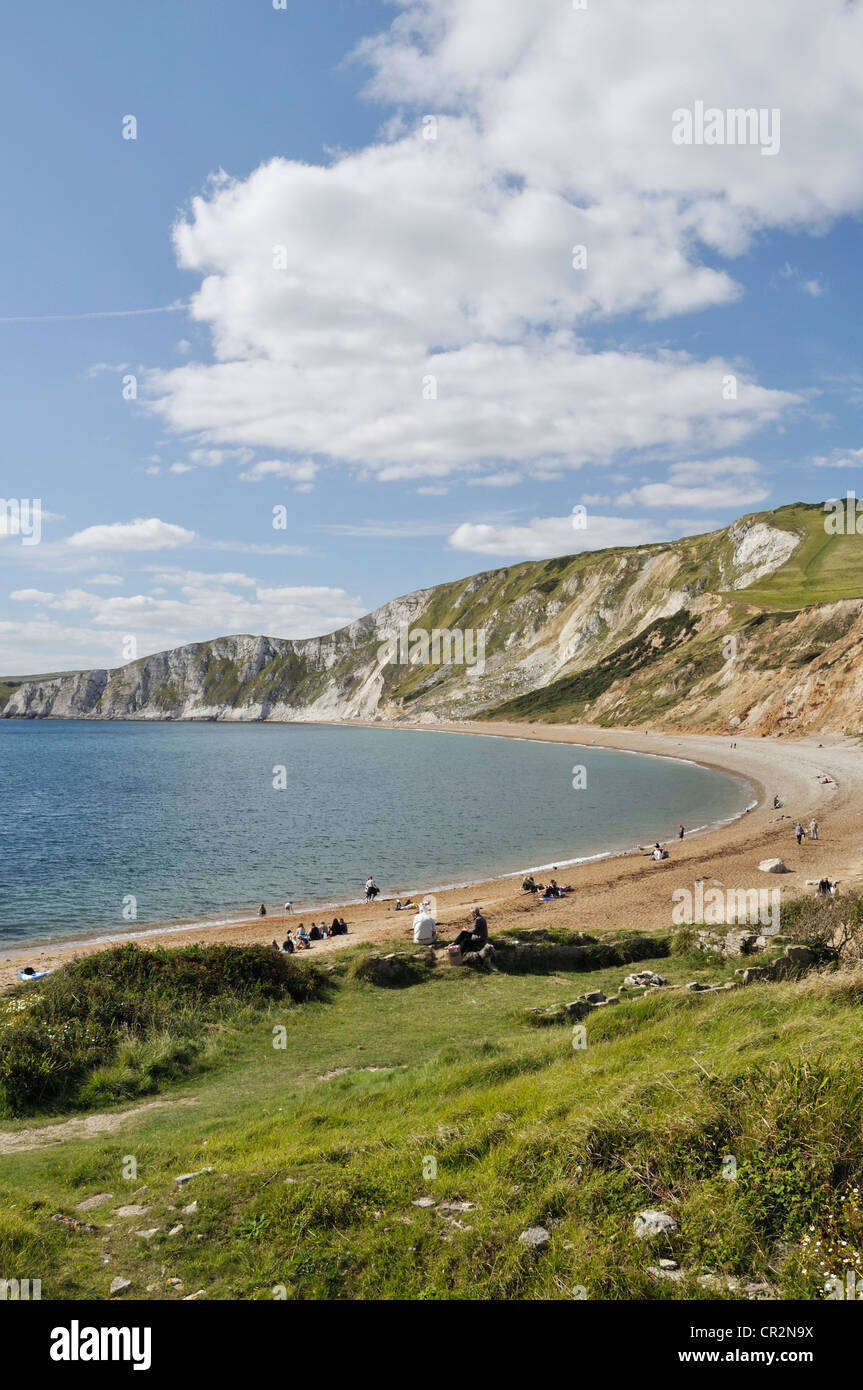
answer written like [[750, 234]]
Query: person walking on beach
[[289, 907], [798, 831], [813, 829], [680, 832], [372, 889]]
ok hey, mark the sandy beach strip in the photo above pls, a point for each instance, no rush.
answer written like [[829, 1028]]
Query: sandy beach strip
[[625, 891]]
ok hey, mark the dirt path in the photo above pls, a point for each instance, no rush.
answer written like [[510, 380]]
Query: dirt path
[[81, 1127]]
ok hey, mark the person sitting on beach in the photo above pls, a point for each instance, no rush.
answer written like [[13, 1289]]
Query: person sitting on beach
[[315, 933], [302, 938], [262, 911], [288, 945], [425, 930], [343, 927], [528, 886], [275, 945]]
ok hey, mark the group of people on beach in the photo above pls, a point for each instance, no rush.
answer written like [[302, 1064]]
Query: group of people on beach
[[545, 892], [302, 940]]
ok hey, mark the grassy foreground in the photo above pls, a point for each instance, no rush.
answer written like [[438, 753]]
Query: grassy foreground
[[323, 1124]]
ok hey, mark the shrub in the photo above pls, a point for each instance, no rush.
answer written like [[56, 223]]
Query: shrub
[[391, 971], [118, 1023]]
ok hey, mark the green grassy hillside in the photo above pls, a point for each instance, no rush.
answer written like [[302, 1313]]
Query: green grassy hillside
[[823, 569], [319, 1151]]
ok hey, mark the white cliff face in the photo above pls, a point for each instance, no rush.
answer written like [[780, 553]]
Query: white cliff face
[[541, 622], [759, 550]]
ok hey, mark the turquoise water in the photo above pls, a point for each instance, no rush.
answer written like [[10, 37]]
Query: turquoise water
[[185, 819]]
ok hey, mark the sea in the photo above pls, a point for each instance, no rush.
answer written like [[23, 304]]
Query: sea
[[108, 829]]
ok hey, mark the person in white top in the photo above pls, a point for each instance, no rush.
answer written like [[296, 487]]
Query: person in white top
[[425, 931], [289, 907]]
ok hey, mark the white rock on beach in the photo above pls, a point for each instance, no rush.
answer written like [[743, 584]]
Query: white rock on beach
[[773, 866]]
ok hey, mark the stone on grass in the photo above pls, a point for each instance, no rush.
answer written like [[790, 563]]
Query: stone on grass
[[148, 1235], [654, 1223], [175, 1230], [193, 1206], [536, 1237], [799, 955], [131, 1210], [646, 978], [90, 1202], [119, 1285], [187, 1177], [423, 1202]]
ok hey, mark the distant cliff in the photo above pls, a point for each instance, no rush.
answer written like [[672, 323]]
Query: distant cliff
[[755, 627]]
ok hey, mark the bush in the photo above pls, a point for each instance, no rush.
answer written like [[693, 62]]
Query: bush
[[118, 1023], [391, 971], [831, 927]]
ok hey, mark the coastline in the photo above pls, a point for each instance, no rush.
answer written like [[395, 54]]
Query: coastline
[[623, 885]]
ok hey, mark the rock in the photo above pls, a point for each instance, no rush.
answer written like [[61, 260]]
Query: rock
[[799, 955], [579, 1008], [457, 1206], [423, 1202], [595, 996], [655, 1272], [536, 1237], [645, 978], [739, 943], [693, 984], [755, 972], [148, 1235], [668, 1264], [175, 1230], [177, 1283], [190, 1297], [90, 1202], [193, 1206], [654, 1223], [612, 999], [131, 1210], [773, 866], [187, 1177], [119, 1285]]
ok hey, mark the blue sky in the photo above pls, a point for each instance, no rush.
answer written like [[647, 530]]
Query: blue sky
[[384, 333]]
